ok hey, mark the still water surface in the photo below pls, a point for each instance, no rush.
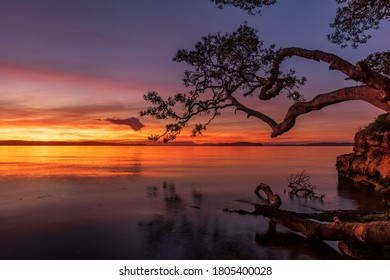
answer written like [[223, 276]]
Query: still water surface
[[160, 202]]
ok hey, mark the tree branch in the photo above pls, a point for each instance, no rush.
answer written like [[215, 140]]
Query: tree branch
[[376, 232], [360, 227], [363, 93], [237, 63], [360, 72], [241, 107]]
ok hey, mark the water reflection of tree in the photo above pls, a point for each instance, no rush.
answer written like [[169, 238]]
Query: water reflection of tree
[[173, 201], [183, 232], [297, 245], [186, 232], [365, 198], [132, 168]]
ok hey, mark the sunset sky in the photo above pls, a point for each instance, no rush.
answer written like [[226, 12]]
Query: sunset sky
[[76, 70]]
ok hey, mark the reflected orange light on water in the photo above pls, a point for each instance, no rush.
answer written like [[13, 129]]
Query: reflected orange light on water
[[70, 198], [152, 161], [42, 161]]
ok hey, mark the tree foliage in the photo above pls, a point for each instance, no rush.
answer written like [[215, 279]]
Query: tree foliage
[[355, 17], [225, 68], [221, 66], [379, 62], [251, 6]]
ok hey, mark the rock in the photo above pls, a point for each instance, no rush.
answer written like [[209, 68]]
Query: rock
[[369, 164]]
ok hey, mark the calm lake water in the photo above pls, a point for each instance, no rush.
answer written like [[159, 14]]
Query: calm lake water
[[160, 202]]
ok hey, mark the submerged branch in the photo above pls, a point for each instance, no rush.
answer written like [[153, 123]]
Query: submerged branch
[[347, 226]]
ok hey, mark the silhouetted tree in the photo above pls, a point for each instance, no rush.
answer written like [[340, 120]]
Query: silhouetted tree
[[225, 67]]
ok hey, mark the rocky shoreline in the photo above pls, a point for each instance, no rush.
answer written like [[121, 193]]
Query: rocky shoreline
[[369, 164]]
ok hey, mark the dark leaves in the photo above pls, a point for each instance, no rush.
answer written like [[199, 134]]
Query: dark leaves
[[250, 6], [221, 65], [224, 61], [379, 62], [356, 17]]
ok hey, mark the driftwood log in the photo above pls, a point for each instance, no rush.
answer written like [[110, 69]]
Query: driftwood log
[[357, 231]]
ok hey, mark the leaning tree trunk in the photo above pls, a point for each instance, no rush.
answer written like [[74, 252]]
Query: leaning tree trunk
[[352, 228], [377, 232]]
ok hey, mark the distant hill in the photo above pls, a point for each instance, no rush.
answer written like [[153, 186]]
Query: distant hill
[[63, 143], [324, 144], [178, 143], [329, 144], [258, 144], [97, 143], [232, 144]]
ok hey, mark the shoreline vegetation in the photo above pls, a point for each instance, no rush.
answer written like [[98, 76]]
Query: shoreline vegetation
[[98, 143]]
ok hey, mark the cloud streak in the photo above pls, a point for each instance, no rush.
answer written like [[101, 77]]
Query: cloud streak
[[134, 123]]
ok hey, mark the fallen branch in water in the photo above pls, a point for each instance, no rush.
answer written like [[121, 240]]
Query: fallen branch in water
[[272, 199], [300, 185], [352, 228]]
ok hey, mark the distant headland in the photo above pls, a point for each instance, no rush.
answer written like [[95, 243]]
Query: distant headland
[[178, 143]]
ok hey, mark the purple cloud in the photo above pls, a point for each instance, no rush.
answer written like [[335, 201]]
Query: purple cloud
[[134, 123]]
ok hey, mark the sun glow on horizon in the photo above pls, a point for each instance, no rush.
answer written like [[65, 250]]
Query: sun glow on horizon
[[65, 73], [31, 116], [39, 105]]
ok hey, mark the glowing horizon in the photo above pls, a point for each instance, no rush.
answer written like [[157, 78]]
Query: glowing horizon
[[66, 73], [33, 118]]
